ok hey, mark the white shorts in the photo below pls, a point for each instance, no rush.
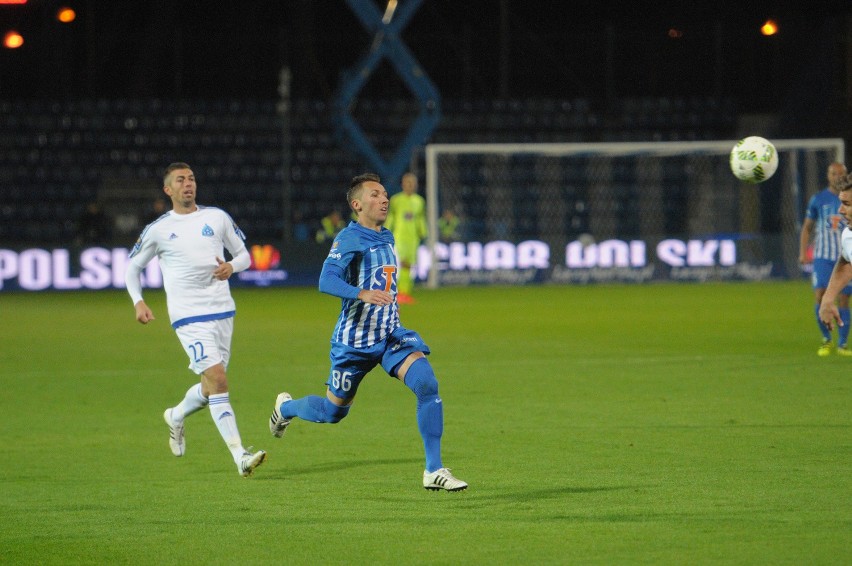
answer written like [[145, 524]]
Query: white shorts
[[207, 343]]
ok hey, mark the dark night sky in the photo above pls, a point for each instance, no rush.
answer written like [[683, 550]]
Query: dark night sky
[[556, 48]]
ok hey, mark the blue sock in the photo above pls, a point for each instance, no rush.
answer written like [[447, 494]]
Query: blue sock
[[843, 331], [826, 333], [313, 408], [430, 410]]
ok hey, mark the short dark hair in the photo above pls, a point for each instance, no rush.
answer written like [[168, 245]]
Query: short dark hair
[[174, 167], [846, 183], [357, 182]]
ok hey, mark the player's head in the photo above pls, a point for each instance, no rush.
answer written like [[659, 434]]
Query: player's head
[[845, 183], [844, 186], [172, 168], [836, 174], [179, 184], [356, 186], [409, 183], [368, 199]]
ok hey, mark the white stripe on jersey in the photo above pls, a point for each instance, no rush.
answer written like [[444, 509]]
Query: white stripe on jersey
[[372, 260]]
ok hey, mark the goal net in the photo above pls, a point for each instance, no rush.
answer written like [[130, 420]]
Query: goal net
[[581, 213]]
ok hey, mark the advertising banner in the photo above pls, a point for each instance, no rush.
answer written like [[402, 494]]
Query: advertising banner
[[458, 263]]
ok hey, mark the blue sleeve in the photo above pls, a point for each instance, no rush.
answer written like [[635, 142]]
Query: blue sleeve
[[331, 282], [813, 209]]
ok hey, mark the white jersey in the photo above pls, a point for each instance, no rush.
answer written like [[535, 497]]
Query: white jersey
[[846, 244], [187, 246]]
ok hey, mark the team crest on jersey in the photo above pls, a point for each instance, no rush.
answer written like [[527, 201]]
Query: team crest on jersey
[[207, 231]]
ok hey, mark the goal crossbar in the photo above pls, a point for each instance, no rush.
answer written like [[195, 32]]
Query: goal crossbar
[[606, 149]]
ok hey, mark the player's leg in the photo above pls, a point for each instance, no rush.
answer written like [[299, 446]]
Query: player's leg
[[826, 346], [209, 347], [313, 408], [195, 397], [416, 372], [843, 331], [348, 368], [408, 363], [819, 280], [192, 402]]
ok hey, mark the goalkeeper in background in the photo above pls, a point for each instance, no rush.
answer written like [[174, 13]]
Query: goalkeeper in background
[[407, 221]]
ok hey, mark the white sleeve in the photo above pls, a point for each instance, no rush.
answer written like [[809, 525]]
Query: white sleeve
[[846, 244], [131, 280], [241, 260], [234, 243], [140, 255]]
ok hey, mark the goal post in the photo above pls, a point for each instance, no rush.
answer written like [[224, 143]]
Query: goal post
[[619, 211]]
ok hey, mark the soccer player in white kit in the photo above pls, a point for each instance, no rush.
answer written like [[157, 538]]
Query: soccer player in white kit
[[841, 276], [189, 242]]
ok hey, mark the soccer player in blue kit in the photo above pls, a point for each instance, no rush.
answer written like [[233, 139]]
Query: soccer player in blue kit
[[825, 221], [362, 269]]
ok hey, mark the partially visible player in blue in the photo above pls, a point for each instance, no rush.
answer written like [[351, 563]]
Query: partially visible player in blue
[[824, 220], [361, 269]]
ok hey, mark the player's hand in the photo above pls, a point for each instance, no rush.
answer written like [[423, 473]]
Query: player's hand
[[143, 313], [375, 297], [829, 314], [224, 270]]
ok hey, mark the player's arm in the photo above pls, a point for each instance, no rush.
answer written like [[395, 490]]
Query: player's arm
[[143, 252], [422, 227], [420, 221], [805, 239], [239, 262], [331, 282], [234, 241], [134, 286], [841, 276]]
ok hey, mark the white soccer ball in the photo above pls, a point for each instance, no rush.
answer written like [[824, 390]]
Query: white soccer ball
[[754, 159]]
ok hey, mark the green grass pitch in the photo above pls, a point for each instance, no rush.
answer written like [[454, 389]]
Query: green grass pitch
[[653, 424]]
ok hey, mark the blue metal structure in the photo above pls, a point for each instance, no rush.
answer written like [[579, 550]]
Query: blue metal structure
[[387, 45]]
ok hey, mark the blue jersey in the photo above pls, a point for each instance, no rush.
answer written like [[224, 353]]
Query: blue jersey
[[828, 224], [368, 261]]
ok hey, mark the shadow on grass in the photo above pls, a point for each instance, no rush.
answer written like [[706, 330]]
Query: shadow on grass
[[491, 496], [343, 464], [520, 495]]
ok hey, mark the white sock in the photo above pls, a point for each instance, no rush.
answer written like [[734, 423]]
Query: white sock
[[226, 422], [192, 402]]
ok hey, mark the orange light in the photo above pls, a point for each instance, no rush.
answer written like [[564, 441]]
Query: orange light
[[769, 28], [13, 1], [675, 33], [66, 15], [13, 40]]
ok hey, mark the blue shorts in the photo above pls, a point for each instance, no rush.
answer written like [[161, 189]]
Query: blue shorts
[[822, 273], [350, 365]]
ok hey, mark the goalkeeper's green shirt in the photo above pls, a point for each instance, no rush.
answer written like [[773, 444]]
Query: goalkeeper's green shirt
[[407, 218]]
